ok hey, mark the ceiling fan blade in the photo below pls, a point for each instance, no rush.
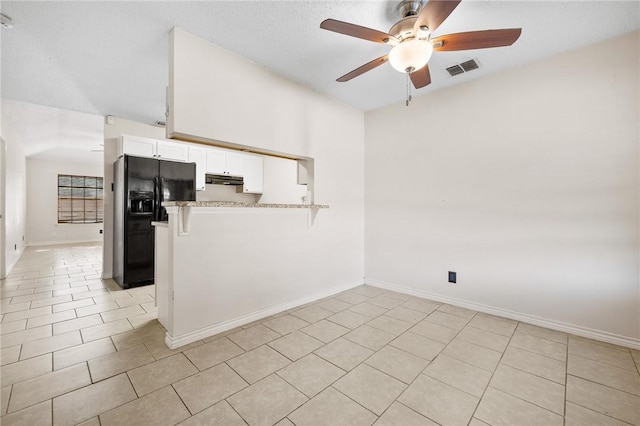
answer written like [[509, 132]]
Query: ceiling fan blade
[[421, 77], [435, 12], [354, 30], [364, 68], [477, 39]]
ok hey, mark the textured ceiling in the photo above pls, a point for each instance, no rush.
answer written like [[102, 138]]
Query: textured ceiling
[[54, 134], [111, 58]]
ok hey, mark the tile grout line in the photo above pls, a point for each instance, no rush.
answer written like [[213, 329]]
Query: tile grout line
[[602, 414], [346, 372], [232, 407], [603, 385], [351, 399], [430, 361], [536, 375], [604, 363], [359, 364], [232, 394], [537, 353], [493, 373], [441, 353]]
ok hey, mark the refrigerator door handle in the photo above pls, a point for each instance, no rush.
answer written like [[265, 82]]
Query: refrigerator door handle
[[156, 200], [161, 210], [161, 187]]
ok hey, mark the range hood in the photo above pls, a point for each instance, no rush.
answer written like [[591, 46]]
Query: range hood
[[222, 179]]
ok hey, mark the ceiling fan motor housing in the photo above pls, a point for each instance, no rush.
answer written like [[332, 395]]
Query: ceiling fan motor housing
[[404, 28], [408, 8]]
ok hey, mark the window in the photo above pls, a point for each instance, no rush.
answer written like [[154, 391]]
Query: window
[[79, 199]]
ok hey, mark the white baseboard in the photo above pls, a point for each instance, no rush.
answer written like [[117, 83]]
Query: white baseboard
[[176, 341], [9, 267], [577, 330]]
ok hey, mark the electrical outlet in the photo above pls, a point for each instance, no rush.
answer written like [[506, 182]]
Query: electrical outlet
[[452, 277], [101, 231]]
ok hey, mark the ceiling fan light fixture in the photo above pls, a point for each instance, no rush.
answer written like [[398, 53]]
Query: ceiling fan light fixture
[[410, 55], [423, 32]]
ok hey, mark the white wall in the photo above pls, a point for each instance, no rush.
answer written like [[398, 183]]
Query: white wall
[[112, 134], [526, 183], [3, 215], [281, 181], [42, 204], [236, 265], [15, 199], [217, 96]]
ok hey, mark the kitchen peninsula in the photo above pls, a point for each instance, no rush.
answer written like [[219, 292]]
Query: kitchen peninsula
[[221, 264]]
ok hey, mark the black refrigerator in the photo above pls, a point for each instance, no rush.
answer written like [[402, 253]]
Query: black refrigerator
[[140, 187]]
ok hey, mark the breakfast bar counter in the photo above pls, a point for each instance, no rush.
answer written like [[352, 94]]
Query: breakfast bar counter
[[220, 265], [243, 205]]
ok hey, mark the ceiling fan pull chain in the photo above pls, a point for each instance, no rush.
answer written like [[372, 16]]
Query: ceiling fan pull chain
[[409, 99]]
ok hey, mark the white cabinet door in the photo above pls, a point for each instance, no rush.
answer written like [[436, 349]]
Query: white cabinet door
[[137, 146], [216, 161], [172, 151], [153, 148], [235, 163], [253, 166], [224, 162], [198, 155]]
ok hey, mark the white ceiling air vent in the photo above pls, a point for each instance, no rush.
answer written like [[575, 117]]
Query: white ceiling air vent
[[463, 67], [455, 70], [469, 65]]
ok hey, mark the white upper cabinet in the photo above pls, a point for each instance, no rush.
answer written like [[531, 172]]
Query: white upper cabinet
[[224, 162], [216, 161], [135, 145], [153, 148], [253, 166], [235, 163], [198, 155], [167, 150]]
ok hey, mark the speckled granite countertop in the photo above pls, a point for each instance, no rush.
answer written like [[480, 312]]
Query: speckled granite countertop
[[245, 205]]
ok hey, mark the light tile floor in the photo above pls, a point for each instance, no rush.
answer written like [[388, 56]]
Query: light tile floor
[[79, 350]]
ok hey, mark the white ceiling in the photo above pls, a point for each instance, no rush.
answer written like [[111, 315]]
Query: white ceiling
[[54, 134], [111, 58]]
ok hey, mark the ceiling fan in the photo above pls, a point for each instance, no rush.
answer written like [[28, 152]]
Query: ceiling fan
[[411, 40]]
